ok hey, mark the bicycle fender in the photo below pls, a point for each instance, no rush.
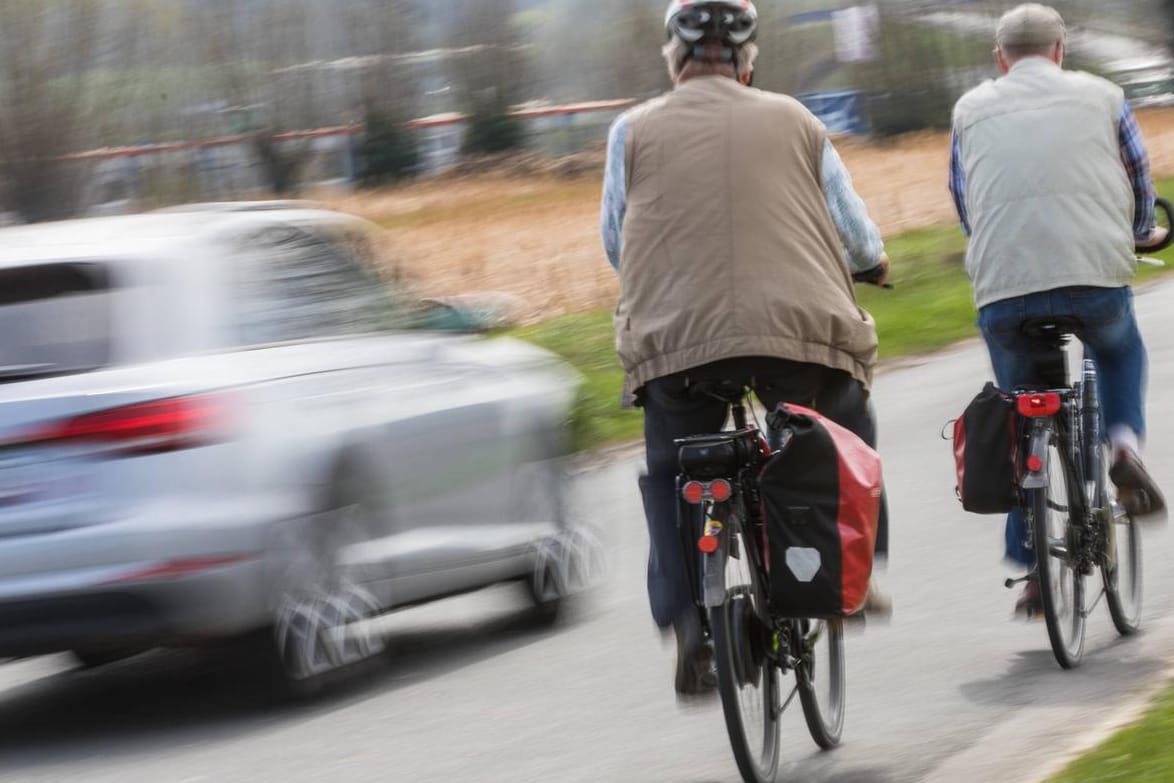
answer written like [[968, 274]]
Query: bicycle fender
[[713, 578], [1038, 448]]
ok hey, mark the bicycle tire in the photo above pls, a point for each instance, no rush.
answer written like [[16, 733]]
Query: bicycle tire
[[824, 715], [1125, 606], [740, 645], [1064, 613]]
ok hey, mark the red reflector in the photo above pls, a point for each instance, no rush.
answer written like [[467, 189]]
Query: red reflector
[[708, 545], [161, 425], [1035, 464], [693, 492], [1046, 404], [721, 490]]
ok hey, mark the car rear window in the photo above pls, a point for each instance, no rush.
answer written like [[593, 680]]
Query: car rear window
[[55, 320]]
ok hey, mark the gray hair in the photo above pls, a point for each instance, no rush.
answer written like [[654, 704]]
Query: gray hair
[[676, 55]]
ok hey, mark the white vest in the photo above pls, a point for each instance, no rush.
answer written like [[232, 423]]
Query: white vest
[[1049, 201]]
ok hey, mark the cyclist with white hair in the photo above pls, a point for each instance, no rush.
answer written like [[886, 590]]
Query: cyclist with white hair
[[735, 231]]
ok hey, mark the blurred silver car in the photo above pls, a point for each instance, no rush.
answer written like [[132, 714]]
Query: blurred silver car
[[220, 420]]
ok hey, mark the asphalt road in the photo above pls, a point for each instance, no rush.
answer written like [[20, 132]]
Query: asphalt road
[[951, 690]]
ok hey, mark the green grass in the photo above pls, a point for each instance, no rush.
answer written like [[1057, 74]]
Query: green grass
[[930, 308], [1142, 753]]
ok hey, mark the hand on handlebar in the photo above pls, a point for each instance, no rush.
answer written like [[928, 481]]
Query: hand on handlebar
[[1160, 237], [1155, 240], [878, 275]]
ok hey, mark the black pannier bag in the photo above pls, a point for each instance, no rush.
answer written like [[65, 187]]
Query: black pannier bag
[[821, 493], [985, 446]]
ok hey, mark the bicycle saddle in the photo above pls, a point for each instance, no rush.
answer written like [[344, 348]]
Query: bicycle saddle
[[727, 391], [1052, 326]]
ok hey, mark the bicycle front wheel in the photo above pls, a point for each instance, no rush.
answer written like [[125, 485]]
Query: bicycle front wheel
[[748, 679], [1061, 586], [822, 680]]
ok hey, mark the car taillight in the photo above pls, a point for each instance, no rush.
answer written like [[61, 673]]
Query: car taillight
[[1046, 404], [144, 428]]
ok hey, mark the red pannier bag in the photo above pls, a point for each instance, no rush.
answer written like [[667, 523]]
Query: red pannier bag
[[821, 496]]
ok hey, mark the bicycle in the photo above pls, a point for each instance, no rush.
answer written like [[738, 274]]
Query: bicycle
[[723, 541], [1074, 520]]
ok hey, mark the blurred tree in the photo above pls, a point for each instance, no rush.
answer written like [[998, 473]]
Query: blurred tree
[[384, 34], [260, 50], [388, 151], [46, 51], [632, 56], [491, 73], [914, 81]]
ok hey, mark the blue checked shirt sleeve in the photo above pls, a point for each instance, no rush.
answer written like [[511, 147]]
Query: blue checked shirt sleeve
[[859, 235], [1137, 166], [958, 182], [615, 192]]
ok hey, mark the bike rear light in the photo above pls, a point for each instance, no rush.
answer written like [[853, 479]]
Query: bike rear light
[[697, 492], [144, 428], [720, 490], [1034, 405], [693, 493], [1035, 464], [708, 545]]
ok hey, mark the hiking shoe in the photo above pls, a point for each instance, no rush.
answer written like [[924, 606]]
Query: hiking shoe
[[1031, 601], [696, 675], [878, 604], [1136, 490]]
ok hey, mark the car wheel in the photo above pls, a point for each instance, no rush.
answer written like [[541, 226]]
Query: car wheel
[[325, 627], [545, 586]]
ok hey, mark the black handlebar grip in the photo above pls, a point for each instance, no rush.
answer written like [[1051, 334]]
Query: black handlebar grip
[[871, 276], [1163, 206]]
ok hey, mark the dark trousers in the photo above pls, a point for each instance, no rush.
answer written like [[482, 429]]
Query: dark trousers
[[670, 412]]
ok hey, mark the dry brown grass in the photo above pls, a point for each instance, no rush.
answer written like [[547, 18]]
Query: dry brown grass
[[537, 237]]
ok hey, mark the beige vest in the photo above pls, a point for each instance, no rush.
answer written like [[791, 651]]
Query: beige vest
[[1049, 202], [728, 246]]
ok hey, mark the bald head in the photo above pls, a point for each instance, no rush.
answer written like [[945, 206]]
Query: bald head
[[1030, 30]]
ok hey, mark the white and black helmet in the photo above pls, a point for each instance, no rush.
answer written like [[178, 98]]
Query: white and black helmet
[[730, 23]]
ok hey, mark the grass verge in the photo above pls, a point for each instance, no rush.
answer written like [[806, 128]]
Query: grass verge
[[1142, 753], [930, 308]]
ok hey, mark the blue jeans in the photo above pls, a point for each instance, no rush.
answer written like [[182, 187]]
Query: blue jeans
[[1111, 339]]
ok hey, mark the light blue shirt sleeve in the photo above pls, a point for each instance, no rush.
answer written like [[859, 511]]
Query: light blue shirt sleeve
[[615, 192], [859, 235]]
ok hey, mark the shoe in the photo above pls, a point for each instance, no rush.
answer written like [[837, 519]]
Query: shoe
[[878, 604], [1137, 491], [696, 675], [1031, 602]]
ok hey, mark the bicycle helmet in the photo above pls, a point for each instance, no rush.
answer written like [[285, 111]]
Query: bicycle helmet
[[730, 24]]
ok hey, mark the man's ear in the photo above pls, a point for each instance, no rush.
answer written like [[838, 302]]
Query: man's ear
[[1001, 61], [747, 79]]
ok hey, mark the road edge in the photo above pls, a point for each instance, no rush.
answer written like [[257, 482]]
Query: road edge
[[1011, 751]]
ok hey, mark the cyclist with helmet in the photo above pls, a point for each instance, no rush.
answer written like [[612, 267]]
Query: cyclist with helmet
[[734, 229]]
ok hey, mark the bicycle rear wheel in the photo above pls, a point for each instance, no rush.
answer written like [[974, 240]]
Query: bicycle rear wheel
[[1121, 568], [1061, 586], [822, 679], [748, 679]]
